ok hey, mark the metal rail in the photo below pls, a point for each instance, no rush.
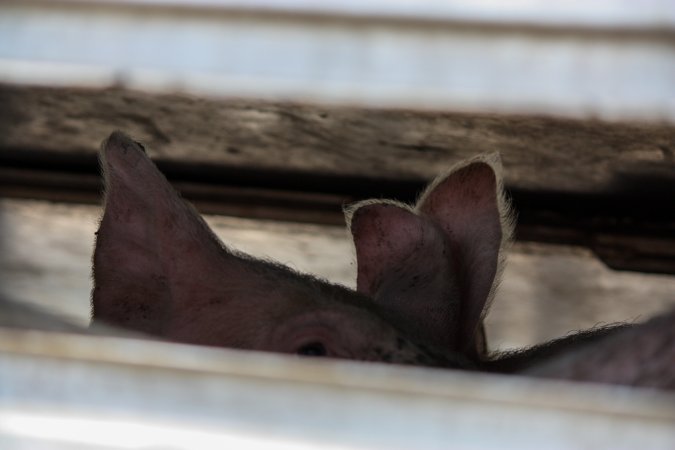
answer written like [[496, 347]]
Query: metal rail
[[68, 391], [606, 59]]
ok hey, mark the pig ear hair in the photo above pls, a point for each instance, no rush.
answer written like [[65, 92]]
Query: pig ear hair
[[403, 266], [470, 206]]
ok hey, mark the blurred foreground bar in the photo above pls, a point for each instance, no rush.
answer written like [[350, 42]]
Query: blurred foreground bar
[[64, 391], [584, 59]]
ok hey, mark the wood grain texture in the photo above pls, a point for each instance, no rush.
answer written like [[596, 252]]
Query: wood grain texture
[[539, 153]]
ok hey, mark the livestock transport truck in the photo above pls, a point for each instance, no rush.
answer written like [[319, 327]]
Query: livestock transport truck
[[271, 117]]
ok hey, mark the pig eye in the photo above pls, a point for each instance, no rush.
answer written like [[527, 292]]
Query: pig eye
[[312, 349]]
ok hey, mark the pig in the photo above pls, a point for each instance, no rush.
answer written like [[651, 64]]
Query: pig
[[159, 270], [642, 355], [423, 286], [436, 265]]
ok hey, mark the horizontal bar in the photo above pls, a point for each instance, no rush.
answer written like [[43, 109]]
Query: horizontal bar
[[611, 60], [610, 14], [106, 392]]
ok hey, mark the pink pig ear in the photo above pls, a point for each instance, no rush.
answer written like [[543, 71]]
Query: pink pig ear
[[469, 206], [404, 265], [153, 251]]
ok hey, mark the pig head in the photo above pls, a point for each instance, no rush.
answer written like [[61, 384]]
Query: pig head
[[160, 270]]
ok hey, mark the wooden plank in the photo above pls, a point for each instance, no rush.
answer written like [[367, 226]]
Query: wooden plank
[[539, 153]]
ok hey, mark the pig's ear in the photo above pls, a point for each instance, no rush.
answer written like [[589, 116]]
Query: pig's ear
[[469, 206], [152, 249], [404, 266]]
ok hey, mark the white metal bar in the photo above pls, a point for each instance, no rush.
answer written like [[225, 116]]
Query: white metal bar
[[606, 59], [603, 14], [64, 391]]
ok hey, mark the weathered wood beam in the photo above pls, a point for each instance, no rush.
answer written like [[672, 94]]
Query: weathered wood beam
[[539, 153]]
